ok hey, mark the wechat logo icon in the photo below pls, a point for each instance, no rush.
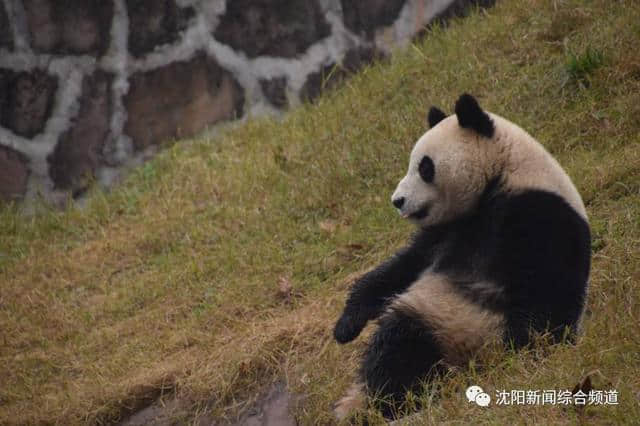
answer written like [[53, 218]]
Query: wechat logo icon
[[477, 395]]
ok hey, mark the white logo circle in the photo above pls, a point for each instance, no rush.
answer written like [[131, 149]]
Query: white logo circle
[[483, 399], [472, 392]]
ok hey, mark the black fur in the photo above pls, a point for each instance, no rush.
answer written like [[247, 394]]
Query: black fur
[[435, 116], [533, 246], [427, 169], [471, 116], [370, 294], [402, 350]]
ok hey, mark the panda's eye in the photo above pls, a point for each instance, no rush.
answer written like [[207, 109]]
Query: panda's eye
[[426, 169]]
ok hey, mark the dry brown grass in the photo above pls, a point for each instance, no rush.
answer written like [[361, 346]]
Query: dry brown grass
[[173, 284]]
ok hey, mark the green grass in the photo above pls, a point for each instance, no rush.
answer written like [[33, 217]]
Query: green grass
[[580, 67], [172, 284]]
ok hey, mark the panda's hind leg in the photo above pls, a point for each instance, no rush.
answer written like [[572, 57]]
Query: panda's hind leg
[[427, 328], [401, 355]]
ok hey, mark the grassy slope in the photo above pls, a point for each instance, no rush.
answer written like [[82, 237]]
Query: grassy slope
[[171, 282]]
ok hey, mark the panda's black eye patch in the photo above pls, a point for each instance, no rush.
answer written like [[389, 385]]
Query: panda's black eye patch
[[427, 169]]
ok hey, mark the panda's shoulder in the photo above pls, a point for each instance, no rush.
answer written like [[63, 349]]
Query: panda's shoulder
[[538, 227], [538, 212]]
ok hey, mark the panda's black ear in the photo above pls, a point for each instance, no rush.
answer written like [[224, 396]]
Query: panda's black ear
[[471, 116], [435, 116]]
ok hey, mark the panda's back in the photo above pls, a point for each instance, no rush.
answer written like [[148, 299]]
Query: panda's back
[[541, 259]]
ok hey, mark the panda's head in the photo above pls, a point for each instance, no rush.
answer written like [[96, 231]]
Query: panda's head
[[450, 165]]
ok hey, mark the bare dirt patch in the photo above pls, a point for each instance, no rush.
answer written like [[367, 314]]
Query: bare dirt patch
[[273, 408]]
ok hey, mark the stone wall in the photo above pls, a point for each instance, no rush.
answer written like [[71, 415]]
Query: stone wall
[[90, 86]]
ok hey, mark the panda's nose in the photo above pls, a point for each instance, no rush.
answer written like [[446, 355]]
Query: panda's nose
[[398, 202]]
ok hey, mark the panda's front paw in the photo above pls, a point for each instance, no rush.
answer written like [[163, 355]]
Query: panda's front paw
[[348, 328]]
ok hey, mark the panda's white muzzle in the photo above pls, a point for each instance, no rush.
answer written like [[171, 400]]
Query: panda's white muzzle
[[413, 198]]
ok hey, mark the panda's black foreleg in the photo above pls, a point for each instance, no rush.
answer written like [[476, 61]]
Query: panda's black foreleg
[[372, 292], [401, 355]]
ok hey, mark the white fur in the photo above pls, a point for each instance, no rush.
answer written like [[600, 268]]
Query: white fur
[[460, 326]]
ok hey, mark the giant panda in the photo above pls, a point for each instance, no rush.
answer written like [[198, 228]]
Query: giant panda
[[502, 251]]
